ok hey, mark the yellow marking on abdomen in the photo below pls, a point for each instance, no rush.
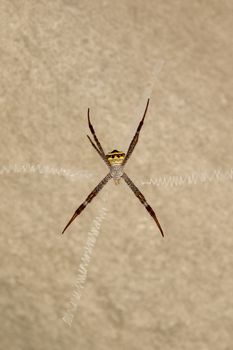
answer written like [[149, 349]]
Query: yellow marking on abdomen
[[115, 157]]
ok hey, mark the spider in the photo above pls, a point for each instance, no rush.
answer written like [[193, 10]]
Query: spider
[[115, 161]]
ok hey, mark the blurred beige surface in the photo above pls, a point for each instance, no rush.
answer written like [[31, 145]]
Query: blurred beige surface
[[142, 292]]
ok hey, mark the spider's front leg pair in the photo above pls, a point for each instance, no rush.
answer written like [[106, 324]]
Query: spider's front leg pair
[[111, 173]]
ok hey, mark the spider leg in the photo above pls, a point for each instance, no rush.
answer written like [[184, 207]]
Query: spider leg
[[142, 200], [97, 150], [136, 136], [89, 199], [94, 135]]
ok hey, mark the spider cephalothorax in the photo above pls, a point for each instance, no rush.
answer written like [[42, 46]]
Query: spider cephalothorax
[[115, 161]]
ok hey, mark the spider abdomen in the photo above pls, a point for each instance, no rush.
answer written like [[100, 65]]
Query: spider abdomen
[[115, 157]]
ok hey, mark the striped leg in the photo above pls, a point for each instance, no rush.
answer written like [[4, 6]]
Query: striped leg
[[97, 150], [142, 200], [136, 136], [94, 135], [89, 199]]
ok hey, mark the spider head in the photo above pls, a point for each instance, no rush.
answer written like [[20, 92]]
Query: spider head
[[115, 157]]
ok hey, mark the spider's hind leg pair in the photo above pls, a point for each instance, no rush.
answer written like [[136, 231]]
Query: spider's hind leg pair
[[115, 161]]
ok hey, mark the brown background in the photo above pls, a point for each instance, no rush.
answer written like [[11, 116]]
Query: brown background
[[142, 292]]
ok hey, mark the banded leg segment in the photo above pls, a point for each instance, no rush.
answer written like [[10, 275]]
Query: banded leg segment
[[89, 199], [136, 136], [98, 151], [94, 134], [142, 200]]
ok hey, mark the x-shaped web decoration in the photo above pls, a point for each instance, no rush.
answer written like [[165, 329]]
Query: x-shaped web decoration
[[115, 161]]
